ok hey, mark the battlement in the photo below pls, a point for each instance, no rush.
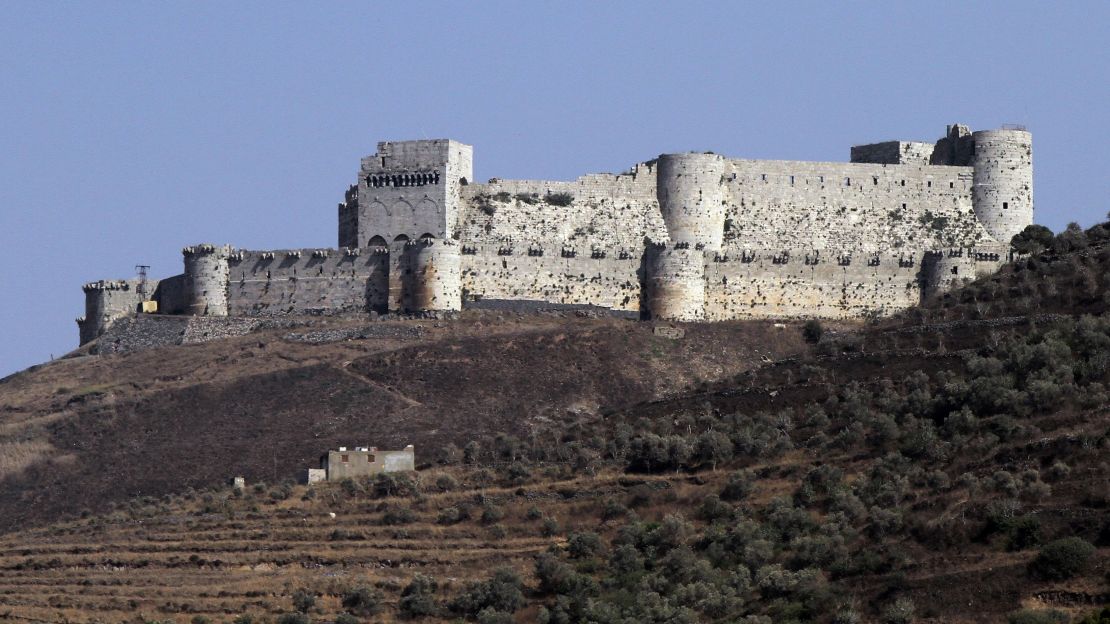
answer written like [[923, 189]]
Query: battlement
[[692, 236], [107, 285]]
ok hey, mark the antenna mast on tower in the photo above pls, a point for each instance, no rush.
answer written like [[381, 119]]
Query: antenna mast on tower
[[141, 270]]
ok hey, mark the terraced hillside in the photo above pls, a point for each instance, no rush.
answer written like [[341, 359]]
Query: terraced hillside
[[77, 434], [946, 466]]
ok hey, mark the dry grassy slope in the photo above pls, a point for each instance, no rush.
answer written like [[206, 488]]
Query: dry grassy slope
[[81, 433]]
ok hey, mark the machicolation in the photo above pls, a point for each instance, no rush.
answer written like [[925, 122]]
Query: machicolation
[[683, 237]]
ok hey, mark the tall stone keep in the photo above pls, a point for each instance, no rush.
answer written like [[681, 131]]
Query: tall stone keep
[[206, 279], [407, 190], [1002, 191]]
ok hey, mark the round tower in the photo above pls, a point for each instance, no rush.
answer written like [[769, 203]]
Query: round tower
[[674, 288], [692, 197], [433, 275], [942, 271], [206, 279], [1002, 191]]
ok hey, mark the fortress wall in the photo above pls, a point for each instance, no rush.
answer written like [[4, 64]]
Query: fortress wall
[[850, 206], [279, 282], [106, 301], [893, 153], [771, 285], [611, 281], [170, 294], [608, 211]]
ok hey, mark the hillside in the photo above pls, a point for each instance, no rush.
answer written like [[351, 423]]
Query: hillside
[[945, 466]]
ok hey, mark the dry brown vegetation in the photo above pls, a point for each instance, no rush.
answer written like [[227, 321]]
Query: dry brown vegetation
[[946, 466]]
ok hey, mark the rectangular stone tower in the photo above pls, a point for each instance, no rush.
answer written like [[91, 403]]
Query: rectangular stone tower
[[407, 190]]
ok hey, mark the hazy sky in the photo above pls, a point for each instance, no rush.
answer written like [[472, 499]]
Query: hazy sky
[[129, 130]]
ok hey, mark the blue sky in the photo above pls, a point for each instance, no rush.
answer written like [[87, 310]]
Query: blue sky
[[129, 130]]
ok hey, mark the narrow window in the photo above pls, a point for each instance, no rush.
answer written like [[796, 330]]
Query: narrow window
[[1005, 205], [763, 177], [821, 179], [383, 161], [847, 181], [791, 180], [345, 458], [903, 206], [903, 182], [369, 459], [951, 185], [929, 184], [875, 180]]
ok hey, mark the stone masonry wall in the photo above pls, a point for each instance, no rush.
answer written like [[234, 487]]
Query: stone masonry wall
[[850, 206], [606, 211], [306, 281], [563, 276]]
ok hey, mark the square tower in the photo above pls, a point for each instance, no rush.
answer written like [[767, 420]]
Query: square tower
[[407, 190]]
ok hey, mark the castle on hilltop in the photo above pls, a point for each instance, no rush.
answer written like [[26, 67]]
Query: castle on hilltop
[[684, 237]]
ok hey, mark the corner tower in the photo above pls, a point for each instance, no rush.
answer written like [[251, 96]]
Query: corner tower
[[407, 190], [1002, 191]]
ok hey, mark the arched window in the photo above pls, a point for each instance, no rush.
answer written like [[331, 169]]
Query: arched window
[[377, 241]]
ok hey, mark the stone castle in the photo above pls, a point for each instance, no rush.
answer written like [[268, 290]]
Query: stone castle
[[684, 237]]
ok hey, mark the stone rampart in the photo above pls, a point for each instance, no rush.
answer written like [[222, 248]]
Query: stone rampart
[[298, 281], [685, 237]]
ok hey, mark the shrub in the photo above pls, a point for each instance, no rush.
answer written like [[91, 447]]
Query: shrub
[[554, 576], [200, 619], [418, 597], [398, 515], [451, 454], [549, 527], [1101, 616], [471, 452], [502, 592], [446, 483], [901, 611], [294, 618], [738, 486], [712, 448], [1036, 616], [1032, 240], [347, 618], [812, 331], [303, 600], [583, 545], [245, 618], [491, 513], [452, 515], [559, 199], [363, 601], [393, 484], [613, 509], [490, 615], [527, 198], [1062, 559]]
